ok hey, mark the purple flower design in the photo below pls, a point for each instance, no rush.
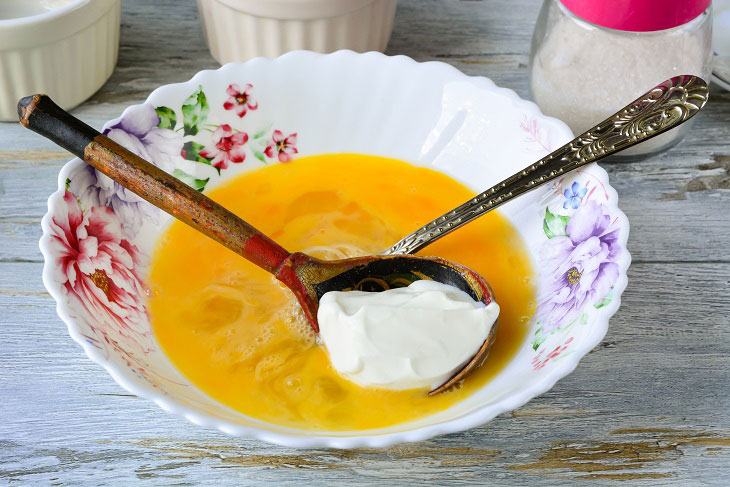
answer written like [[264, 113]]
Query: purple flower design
[[582, 264], [574, 195], [137, 131]]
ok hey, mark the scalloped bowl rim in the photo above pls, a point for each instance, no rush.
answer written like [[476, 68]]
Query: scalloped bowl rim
[[472, 419]]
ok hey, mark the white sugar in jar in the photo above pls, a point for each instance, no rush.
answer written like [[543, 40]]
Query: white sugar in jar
[[590, 58]]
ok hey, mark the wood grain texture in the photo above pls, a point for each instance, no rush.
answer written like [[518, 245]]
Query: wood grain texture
[[649, 405]]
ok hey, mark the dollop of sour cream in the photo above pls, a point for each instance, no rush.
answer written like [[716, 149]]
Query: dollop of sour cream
[[405, 338]]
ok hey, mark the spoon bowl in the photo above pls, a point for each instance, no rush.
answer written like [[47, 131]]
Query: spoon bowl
[[311, 278]]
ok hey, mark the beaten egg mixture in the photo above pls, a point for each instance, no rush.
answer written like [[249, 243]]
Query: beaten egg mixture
[[237, 333]]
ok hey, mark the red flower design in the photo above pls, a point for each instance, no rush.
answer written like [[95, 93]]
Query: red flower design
[[228, 147], [97, 268], [538, 362], [241, 101], [285, 147]]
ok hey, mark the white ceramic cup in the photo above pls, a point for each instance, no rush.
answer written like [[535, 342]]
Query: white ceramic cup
[[238, 30], [64, 48]]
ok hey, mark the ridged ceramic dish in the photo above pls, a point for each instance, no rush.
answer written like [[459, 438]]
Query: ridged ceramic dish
[[98, 238], [238, 30], [67, 53]]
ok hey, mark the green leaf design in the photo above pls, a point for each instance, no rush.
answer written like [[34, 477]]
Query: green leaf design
[[539, 338], [68, 182], [261, 132], [259, 156], [195, 112], [190, 180], [606, 299], [554, 225], [538, 341], [168, 119], [191, 151]]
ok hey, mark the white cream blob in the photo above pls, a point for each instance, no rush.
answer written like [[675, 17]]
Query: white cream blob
[[405, 338]]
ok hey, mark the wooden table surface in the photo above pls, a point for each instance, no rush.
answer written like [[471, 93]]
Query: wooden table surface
[[649, 404]]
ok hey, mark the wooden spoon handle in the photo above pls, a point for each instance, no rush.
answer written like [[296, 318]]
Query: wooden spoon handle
[[40, 114]]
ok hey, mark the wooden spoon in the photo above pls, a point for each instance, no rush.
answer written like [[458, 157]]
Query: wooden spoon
[[307, 277]]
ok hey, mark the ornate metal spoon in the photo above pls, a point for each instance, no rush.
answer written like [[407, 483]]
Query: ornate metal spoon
[[661, 109], [664, 107]]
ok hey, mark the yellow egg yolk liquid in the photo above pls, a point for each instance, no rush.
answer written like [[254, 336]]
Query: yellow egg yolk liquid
[[238, 335]]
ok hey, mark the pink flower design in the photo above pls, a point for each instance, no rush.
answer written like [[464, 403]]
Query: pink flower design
[[97, 268], [534, 133], [241, 101], [538, 362], [285, 147], [228, 147]]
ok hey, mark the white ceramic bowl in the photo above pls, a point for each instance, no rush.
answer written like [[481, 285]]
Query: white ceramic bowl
[[98, 238], [66, 52], [238, 30]]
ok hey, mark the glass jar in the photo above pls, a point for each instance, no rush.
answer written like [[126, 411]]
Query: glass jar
[[589, 58]]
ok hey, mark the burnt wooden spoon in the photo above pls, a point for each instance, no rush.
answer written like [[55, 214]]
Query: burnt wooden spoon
[[307, 277]]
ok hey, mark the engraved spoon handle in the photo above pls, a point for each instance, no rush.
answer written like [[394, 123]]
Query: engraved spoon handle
[[664, 107]]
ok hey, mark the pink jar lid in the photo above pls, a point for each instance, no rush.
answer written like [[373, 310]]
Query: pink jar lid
[[637, 15]]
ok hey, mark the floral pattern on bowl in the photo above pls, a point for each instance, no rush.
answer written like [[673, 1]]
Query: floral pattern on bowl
[[99, 238], [580, 263], [98, 267]]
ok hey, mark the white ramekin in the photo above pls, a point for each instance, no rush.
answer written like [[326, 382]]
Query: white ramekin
[[67, 53], [238, 30]]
